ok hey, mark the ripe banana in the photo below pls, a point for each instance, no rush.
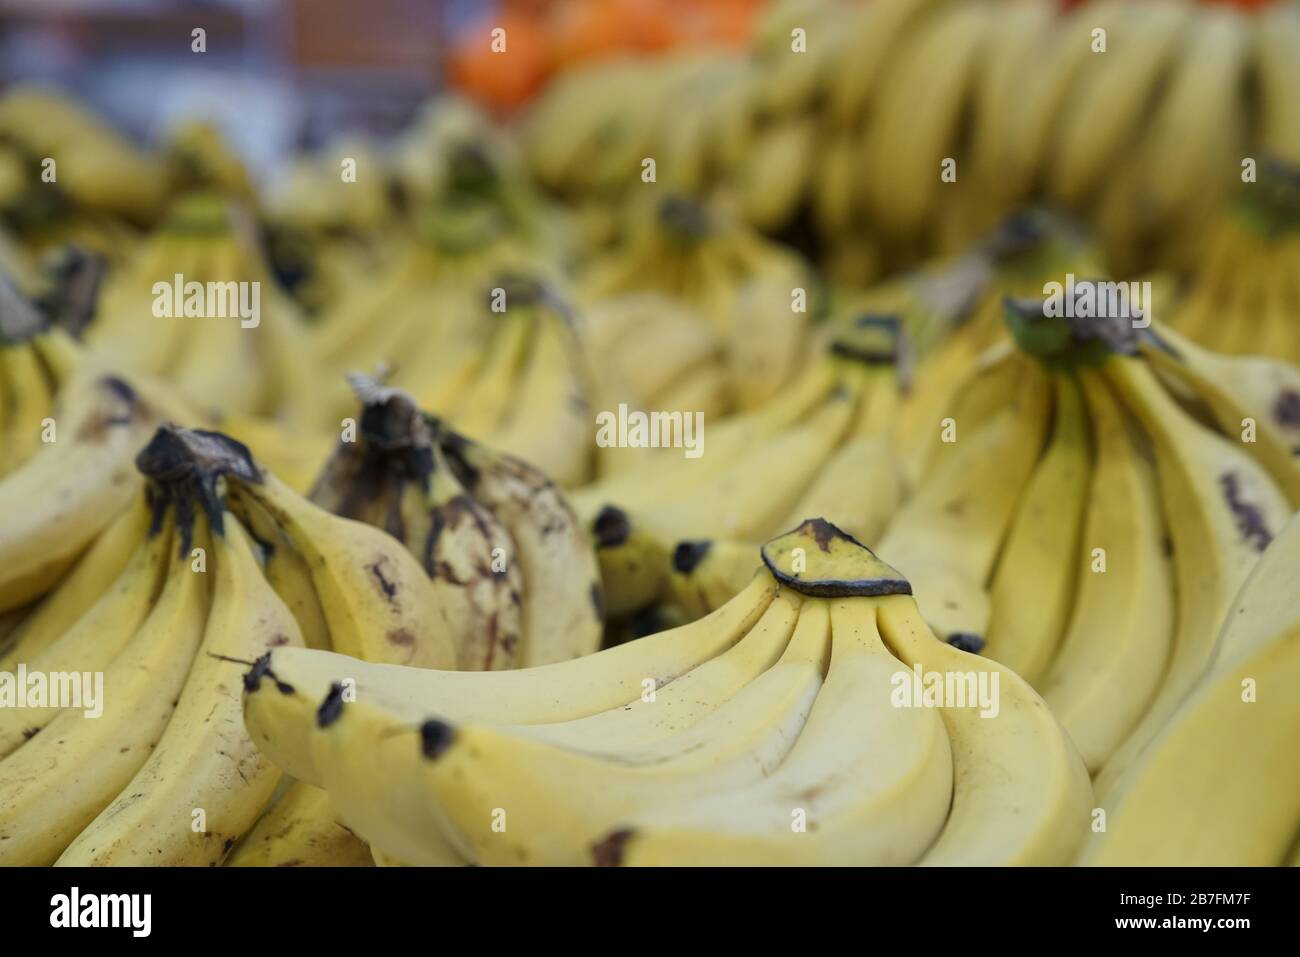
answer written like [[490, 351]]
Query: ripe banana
[[1218, 784], [205, 784], [1113, 654], [300, 831], [57, 783]]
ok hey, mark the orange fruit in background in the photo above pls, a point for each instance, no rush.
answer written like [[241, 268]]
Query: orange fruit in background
[[718, 22], [502, 81], [586, 30]]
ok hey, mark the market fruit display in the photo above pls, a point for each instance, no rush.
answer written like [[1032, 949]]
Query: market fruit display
[[826, 432]]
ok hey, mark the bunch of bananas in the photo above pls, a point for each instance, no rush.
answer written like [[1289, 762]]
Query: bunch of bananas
[[819, 447], [1227, 753], [513, 569], [1136, 115], [454, 436], [503, 364], [140, 603], [1245, 289], [726, 741], [197, 307], [758, 296], [1089, 478]]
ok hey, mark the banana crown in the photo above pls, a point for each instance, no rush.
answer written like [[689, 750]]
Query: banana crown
[[19, 319], [819, 559]]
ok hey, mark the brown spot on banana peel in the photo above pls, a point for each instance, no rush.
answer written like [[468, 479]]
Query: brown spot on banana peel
[[608, 852], [688, 555], [967, 641], [611, 527], [1250, 522], [386, 586], [331, 708], [435, 738], [1286, 410]]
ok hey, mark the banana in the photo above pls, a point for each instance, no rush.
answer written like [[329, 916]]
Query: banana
[[946, 537], [697, 693], [485, 404], [356, 751], [284, 691], [863, 801], [549, 426], [1276, 37], [1198, 126], [766, 344], [29, 400], [1113, 654], [858, 489], [89, 579], [125, 332], [1021, 794], [1033, 588], [1003, 87], [1218, 786], [300, 831], [556, 802], [397, 476], [1222, 511], [919, 114], [774, 176], [563, 610], [1240, 390], [375, 596], [98, 636], [205, 784], [633, 563], [878, 34], [1107, 102], [484, 611], [57, 783], [98, 167], [747, 500], [55, 505], [288, 574], [711, 768], [707, 574]]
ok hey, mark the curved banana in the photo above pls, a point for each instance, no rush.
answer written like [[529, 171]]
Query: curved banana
[[299, 830], [57, 783], [1033, 587], [59, 500], [1240, 390], [555, 802], [1222, 510], [1218, 785], [284, 691], [706, 574], [946, 537], [98, 636], [563, 610], [205, 784], [77, 591], [1114, 651], [375, 596]]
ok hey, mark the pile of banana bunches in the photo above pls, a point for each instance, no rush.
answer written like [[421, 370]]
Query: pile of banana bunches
[[880, 446]]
